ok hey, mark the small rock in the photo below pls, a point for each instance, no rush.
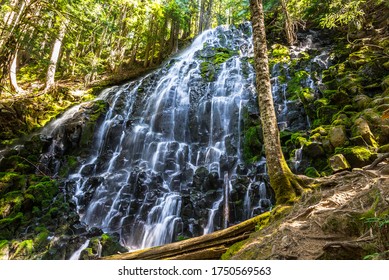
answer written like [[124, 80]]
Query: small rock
[[361, 128], [339, 163], [361, 101]]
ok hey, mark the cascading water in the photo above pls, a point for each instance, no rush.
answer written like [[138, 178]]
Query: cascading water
[[167, 161], [165, 156]]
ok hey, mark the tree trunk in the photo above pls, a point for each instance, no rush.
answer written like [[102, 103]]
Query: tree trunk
[[283, 181], [201, 16], [289, 26], [208, 15], [162, 41], [175, 37], [50, 77], [149, 42], [12, 75]]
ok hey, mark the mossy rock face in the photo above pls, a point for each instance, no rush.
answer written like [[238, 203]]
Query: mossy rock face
[[208, 71], [8, 226], [325, 114], [43, 191], [361, 101], [212, 58], [357, 156], [252, 147], [11, 181], [110, 245]]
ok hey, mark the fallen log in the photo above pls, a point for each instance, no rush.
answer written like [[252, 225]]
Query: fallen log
[[209, 246]]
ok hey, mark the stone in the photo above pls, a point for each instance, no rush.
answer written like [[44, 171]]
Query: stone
[[361, 101], [339, 163], [313, 149], [328, 148], [361, 128], [358, 156], [337, 136]]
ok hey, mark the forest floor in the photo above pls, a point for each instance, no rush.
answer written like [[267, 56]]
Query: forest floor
[[345, 217]]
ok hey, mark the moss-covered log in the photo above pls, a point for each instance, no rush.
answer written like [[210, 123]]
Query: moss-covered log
[[210, 246]]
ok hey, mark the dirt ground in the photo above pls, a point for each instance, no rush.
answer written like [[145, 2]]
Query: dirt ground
[[345, 217]]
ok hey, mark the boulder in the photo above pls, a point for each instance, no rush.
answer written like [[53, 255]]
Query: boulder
[[313, 149], [361, 101], [361, 128], [358, 156], [339, 163], [337, 136]]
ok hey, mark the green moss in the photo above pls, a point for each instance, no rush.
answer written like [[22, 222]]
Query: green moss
[[11, 181], [9, 225], [87, 254], [357, 156], [222, 55], [41, 239], [99, 108], [319, 130], [43, 191], [325, 115], [232, 250], [279, 53], [295, 88], [70, 163], [110, 246], [311, 172], [321, 102], [252, 147], [384, 149], [263, 221], [24, 249], [208, 71], [4, 249], [210, 67], [11, 203]]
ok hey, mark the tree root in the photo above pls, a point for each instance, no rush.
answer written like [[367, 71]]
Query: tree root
[[377, 161]]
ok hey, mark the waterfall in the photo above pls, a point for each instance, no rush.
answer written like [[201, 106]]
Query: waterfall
[[76, 255], [166, 160]]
